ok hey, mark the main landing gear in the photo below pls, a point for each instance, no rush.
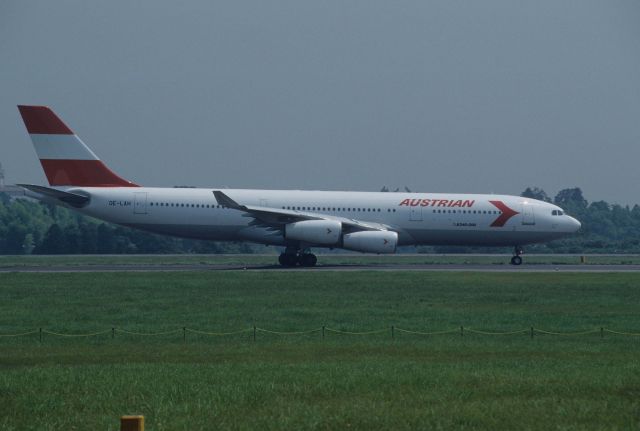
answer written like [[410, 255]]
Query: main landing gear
[[293, 257], [517, 253]]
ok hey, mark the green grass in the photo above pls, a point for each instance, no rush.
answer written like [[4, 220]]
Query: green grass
[[305, 382], [327, 259]]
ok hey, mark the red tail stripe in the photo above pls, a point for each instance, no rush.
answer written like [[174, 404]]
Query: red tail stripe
[[87, 173], [42, 120]]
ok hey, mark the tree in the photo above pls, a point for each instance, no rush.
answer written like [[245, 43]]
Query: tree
[[53, 242], [14, 238], [28, 244], [570, 198], [535, 193]]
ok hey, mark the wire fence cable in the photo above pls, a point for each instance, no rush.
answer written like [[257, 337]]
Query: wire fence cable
[[219, 334], [337, 331], [449, 331], [59, 334], [311, 331], [22, 334], [147, 334], [477, 331]]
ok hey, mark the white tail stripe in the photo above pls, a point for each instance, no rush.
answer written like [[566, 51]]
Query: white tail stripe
[[61, 147]]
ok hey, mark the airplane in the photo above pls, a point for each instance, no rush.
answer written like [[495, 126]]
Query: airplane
[[368, 222]]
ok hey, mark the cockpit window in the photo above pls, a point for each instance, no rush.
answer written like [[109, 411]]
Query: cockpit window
[[557, 213]]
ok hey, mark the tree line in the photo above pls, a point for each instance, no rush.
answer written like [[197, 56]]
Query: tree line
[[31, 227]]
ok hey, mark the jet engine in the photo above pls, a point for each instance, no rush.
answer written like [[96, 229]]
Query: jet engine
[[371, 241], [325, 232]]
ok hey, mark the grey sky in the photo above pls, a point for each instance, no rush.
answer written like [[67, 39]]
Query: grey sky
[[451, 96]]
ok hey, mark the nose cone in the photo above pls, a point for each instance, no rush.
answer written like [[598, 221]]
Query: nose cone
[[573, 224]]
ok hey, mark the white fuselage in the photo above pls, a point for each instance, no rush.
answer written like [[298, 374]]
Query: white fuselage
[[418, 218]]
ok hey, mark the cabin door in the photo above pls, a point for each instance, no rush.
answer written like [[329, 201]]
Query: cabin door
[[140, 203], [528, 217]]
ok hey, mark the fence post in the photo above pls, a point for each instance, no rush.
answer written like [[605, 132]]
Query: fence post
[[132, 423], [532, 332], [462, 331], [113, 332], [184, 334], [323, 332], [41, 335], [601, 332], [254, 332], [393, 335]]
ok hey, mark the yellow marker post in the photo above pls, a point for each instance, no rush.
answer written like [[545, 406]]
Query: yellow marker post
[[132, 423]]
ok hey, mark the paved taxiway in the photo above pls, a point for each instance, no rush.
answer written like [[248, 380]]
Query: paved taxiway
[[418, 267]]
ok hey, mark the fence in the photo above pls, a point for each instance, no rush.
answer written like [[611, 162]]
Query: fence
[[252, 332]]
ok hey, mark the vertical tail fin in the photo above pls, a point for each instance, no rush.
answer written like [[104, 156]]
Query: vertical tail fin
[[66, 160]]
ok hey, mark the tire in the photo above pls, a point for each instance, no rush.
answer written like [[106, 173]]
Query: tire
[[516, 260], [308, 260], [287, 260]]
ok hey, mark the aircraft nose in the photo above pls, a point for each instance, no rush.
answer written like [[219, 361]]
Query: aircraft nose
[[574, 224]]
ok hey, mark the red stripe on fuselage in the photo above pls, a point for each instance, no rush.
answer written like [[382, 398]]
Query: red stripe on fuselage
[[42, 120], [507, 213], [87, 173]]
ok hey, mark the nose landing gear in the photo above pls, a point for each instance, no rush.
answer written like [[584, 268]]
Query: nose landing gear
[[517, 253]]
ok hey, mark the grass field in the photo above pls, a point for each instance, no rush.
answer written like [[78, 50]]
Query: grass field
[[305, 382]]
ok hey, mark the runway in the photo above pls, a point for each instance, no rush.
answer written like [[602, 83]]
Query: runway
[[320, 268]]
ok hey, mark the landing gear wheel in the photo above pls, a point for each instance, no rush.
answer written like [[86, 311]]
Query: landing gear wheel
[[287, 259], [307, 260], [516, 260]]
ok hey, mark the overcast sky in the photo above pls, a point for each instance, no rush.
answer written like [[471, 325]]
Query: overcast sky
[[446, 96]]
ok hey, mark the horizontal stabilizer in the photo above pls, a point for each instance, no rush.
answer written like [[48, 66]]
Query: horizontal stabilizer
[[73, 199]]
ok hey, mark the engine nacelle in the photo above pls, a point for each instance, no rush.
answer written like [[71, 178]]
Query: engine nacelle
[[371, 241], [325, 232]]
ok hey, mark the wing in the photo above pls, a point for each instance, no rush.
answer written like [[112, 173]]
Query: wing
[[275, 218]]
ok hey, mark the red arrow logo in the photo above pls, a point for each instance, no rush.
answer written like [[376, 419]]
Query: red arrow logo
[[507, 213]]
